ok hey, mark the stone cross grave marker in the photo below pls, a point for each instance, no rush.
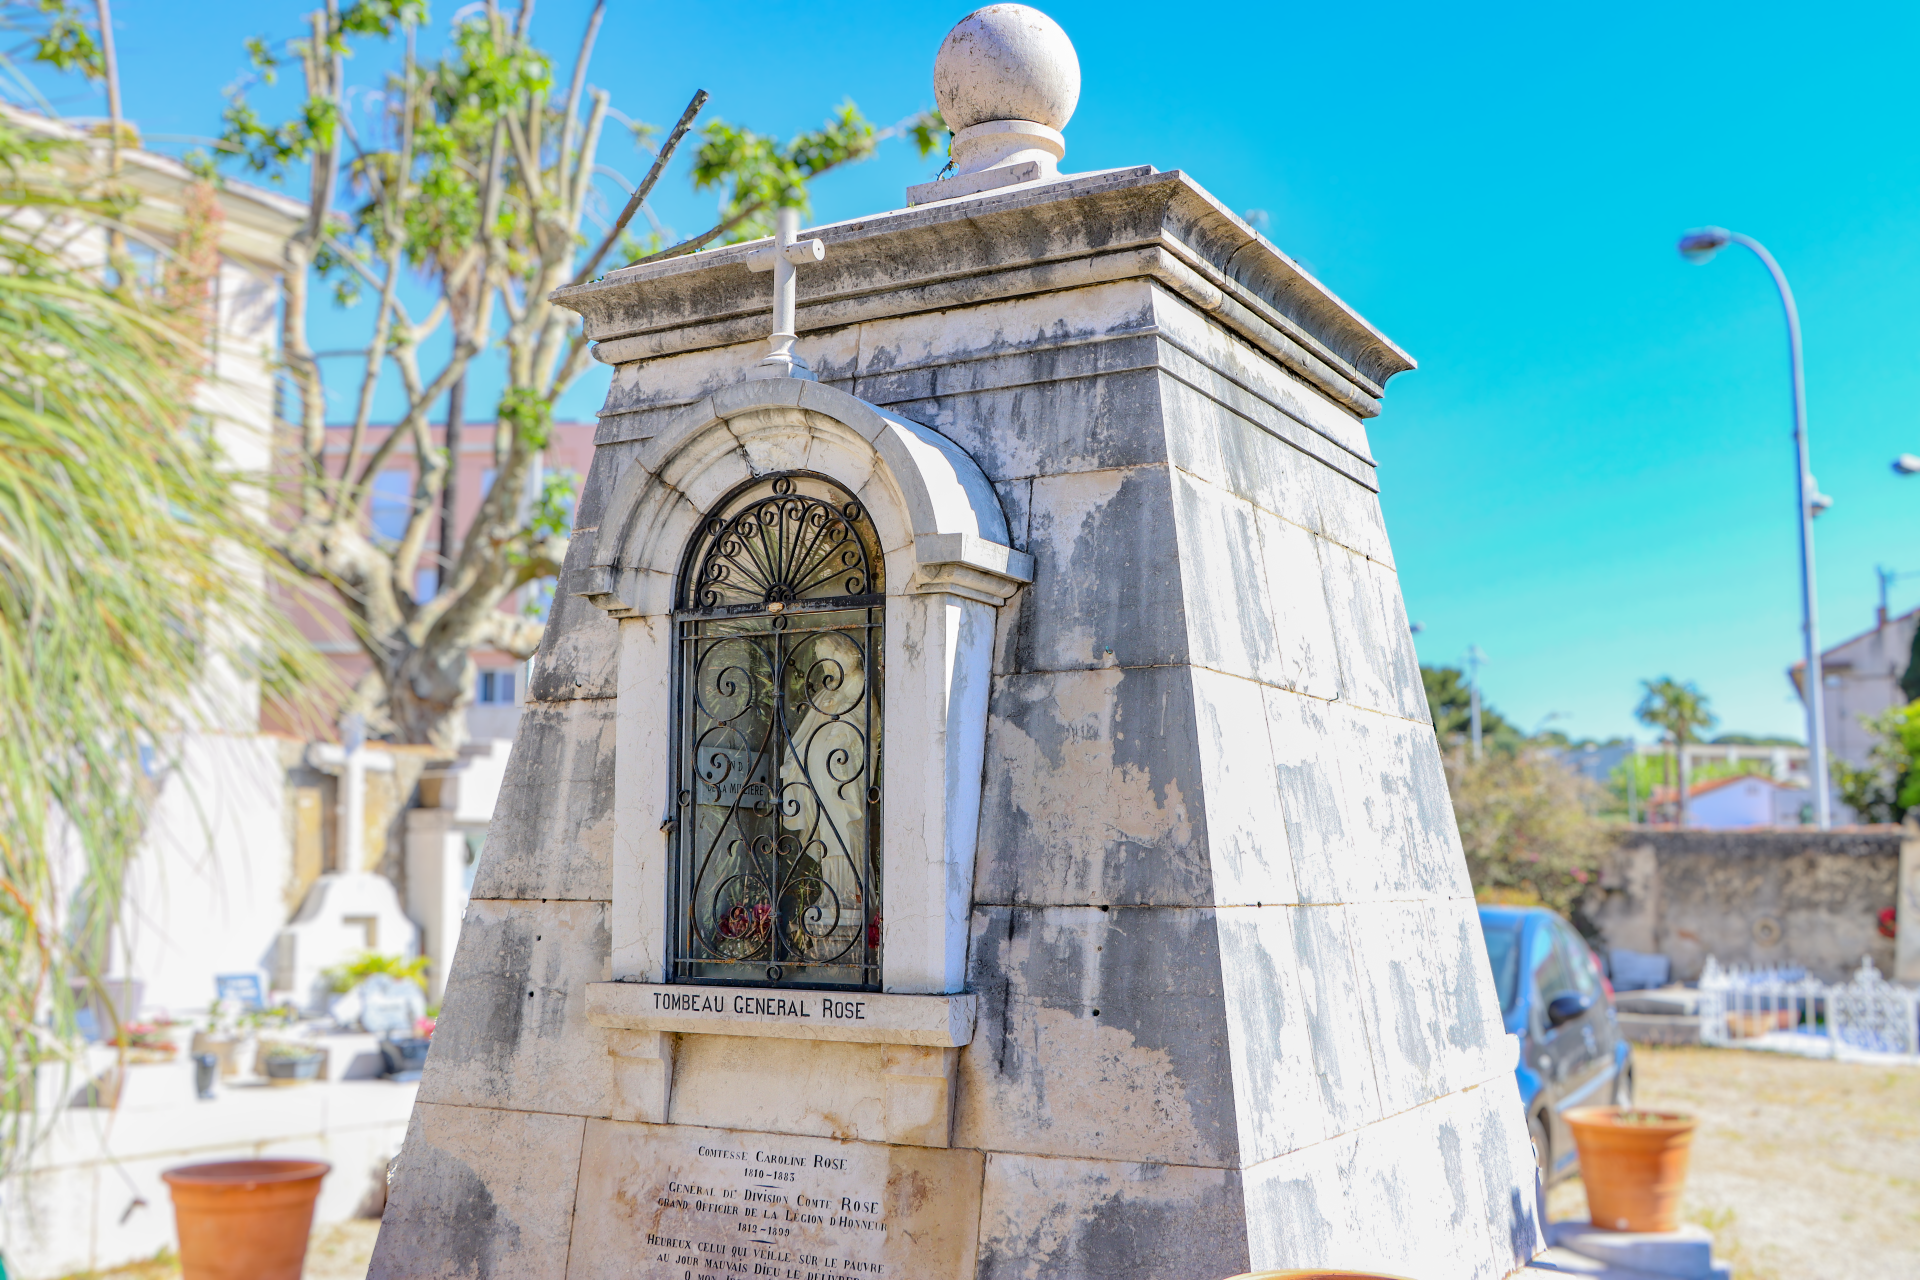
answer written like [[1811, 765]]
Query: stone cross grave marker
[[787, 252]]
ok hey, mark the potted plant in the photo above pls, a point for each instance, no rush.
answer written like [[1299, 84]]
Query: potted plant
[[150, 1042], [245, 1217], [290, 1064], [1634, 1165], [406, 1056], [222, 1037]]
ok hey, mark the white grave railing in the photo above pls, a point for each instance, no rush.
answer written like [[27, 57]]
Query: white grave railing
[[1865, 1013]]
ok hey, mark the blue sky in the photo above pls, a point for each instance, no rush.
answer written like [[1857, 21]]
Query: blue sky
[[1591, 473]]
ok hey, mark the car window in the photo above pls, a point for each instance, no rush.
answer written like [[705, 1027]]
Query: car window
[[1579, 962], [1550, 976], [1503, 950]]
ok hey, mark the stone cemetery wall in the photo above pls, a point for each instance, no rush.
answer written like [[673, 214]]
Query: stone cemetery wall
[[1762, 898], [1182, 973]]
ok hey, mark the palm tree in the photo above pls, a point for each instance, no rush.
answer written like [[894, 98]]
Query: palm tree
[[1679, 711], [131, 558]]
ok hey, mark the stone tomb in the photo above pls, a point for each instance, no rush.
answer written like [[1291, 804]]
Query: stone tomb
[[976, 814]]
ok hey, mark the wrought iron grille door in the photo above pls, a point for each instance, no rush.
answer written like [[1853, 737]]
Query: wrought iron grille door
[[778, 700]]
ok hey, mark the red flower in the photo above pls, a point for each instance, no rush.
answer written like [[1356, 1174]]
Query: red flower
[[1887, 926]]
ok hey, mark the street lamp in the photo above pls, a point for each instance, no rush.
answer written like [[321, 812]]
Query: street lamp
[[1699, 246]]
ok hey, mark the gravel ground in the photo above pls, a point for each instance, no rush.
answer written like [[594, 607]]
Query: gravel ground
[[341, 1250], [1802, 1169]]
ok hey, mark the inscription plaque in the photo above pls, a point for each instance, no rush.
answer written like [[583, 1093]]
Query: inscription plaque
[[670, 1202], [859, 1017]]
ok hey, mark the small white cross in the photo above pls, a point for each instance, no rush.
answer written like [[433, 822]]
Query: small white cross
[[781, 257]]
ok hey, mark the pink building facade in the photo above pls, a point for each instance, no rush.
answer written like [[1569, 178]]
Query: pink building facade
[[500, 690]]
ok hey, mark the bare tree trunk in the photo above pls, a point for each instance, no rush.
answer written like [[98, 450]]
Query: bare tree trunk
[[450, 495]]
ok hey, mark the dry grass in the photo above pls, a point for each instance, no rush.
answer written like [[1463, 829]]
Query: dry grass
[[1802, 1169]]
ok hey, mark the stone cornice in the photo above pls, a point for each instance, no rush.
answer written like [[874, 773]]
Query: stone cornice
[[1126, 223]]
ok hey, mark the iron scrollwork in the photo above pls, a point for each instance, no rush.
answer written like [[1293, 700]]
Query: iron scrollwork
[[780, 635]]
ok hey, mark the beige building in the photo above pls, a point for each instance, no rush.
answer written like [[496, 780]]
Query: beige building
[[1862, 677]]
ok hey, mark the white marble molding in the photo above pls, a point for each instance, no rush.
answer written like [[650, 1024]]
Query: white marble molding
[[948, 569]]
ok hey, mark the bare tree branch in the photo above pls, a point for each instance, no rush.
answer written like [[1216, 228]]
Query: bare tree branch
[[645, 189]]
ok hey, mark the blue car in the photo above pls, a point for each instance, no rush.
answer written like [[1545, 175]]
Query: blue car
[[1556, 998]]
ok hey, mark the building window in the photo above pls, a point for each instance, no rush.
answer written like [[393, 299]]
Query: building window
[[496, 688], [392, 505], [778, 702]]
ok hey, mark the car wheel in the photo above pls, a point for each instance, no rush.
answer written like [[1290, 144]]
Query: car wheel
[[1623, 1087], [1542, 1147]]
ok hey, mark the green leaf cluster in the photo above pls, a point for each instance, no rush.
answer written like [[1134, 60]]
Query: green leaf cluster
[[1888, 785], [761, 175], [1449, 701], [1527, 828], [343, 978], [1676, 708]]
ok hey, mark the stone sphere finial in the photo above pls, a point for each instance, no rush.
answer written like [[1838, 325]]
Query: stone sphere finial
[[1007, 81], [1006, 62]]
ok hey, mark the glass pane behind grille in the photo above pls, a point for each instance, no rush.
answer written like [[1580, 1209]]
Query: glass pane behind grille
[[778, 852]]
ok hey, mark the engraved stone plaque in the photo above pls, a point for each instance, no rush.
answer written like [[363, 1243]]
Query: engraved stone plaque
[[672, 1202]]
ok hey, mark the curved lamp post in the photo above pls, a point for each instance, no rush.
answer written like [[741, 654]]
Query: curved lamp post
[[1699, 246]]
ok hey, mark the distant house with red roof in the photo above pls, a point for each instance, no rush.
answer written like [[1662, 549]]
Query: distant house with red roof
[[1743, 800]]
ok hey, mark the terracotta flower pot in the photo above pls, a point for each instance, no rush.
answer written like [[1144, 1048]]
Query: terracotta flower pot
[[1633, 1172], [244, 1219]]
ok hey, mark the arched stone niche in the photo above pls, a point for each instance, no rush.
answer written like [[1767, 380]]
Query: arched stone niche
[[949, 568]]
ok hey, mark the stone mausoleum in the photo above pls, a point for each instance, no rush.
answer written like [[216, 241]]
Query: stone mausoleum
[[977, 814]]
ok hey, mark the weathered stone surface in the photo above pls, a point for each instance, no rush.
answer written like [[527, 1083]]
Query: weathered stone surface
[[610, 461], [1245, 823], [1442, 1190], [1275, 1081], [1344, 1051], [1430, 1011], [552, 830], [1350, 516], [1229, 622], [1226, 368], [1093, 791], [1100, 1034], [657, 1202], [809, 1088], [1307, 655], [1011, 431], [579, 654], [1366, 808], [1377, 662], [1051, 1219], [1240, 456], [479, 1194], [514, 1032], [1691, 894], [1106, 575]]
